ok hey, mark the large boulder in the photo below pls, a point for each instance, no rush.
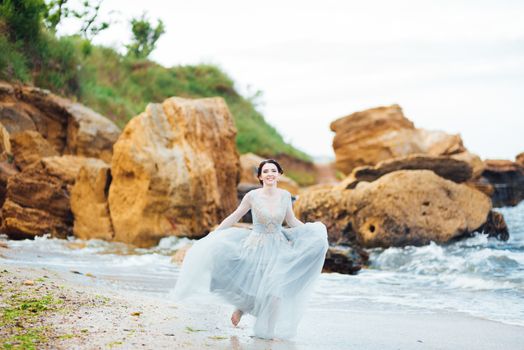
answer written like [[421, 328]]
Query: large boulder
[[38, 198], [36, 203], [414, 208], [507, 179], [20, 222], [406, 207], [175, 170], [446, 167], [69, 127], [89, 202], [249, 164], [344, 259], [377, 134]]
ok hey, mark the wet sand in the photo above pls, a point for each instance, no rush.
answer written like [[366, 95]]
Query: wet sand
[[94, 317]]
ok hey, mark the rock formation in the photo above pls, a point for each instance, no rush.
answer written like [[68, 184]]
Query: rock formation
[[406, 207], [414, 208], [446, 167], [174, 171], [324, 203], [37, 199], [344, 259], [377, 134], [507, 179], [28, 147], [89, 202], [520, 158], [69, 127]]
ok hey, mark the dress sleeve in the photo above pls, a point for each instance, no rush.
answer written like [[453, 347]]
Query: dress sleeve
[[242, 209]]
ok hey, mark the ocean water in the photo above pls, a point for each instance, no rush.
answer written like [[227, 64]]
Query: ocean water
[[478, 276]]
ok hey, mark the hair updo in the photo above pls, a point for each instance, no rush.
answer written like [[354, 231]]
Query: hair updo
[[261, 165]]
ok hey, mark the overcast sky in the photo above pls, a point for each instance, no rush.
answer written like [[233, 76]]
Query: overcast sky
[[456, 66]]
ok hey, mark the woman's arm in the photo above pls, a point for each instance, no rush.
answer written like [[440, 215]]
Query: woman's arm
[[291, 220], [233, 218]]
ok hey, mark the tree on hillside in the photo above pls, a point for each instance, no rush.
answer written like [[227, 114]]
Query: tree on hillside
[[87, 12], [144, 37]]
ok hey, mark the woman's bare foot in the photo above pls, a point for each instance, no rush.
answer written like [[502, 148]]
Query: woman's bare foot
[[235, 318]]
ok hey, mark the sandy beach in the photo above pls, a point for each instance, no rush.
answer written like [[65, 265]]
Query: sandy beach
[[87, 316]]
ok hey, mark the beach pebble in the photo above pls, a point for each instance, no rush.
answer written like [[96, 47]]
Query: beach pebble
[[136, 313], [28, 283]]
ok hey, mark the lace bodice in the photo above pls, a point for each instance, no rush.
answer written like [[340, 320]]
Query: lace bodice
[[268, 214]]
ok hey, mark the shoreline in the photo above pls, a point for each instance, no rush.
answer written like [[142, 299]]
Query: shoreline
[[88, 316]]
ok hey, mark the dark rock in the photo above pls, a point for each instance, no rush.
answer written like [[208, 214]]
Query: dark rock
[[446, 167], [495, 226], [344, 259], [507, 179]]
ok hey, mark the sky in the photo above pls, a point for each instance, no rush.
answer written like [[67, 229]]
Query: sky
[[452, 65]]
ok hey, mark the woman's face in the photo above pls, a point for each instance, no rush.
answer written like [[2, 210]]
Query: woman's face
[[269, 174]]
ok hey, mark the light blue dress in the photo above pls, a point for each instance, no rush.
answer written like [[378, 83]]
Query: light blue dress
[[268, 272]]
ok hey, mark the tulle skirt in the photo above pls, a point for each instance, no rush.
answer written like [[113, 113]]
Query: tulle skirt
[[267, 275]]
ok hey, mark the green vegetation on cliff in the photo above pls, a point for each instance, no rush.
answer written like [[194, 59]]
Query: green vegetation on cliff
[[120, 86]]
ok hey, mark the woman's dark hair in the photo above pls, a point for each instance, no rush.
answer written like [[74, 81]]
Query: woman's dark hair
[[261, 165]]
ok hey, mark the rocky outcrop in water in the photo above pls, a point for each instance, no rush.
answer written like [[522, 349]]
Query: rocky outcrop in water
[[400, 208], [174, 171], [374, 135], [345, 259], [507, 179], [414, 208]]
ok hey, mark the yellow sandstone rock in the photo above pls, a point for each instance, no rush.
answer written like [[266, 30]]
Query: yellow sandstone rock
[[29, 147], [174, 171], [89, 202], [69, 127], [377, 134], [38, 198], [406, 207]]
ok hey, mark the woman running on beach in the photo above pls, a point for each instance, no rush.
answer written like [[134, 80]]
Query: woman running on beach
[[267, 271]]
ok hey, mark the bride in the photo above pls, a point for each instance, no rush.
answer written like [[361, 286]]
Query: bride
[[269, 271]]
